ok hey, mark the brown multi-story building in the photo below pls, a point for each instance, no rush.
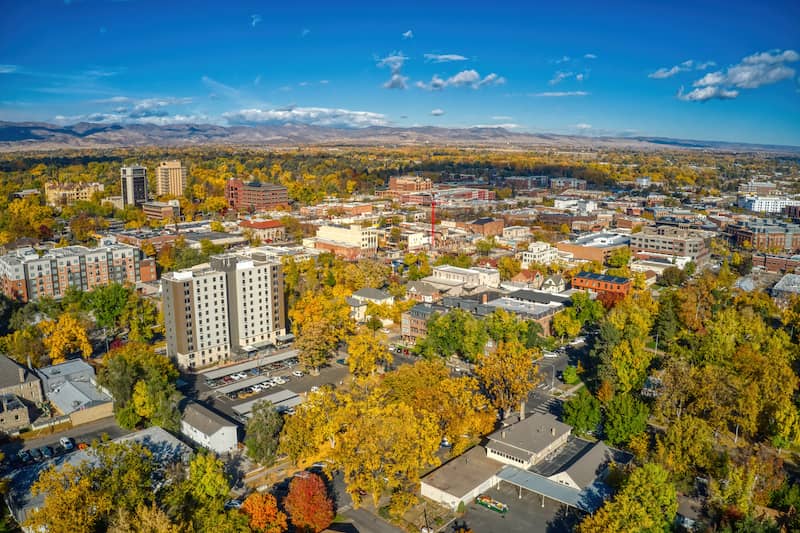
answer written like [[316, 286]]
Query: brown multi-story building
[[163, 211], [255, 195], [233, 303], [403, 185], [487, 226], [671, 240], [602, 284], [776, 263], [141, 238], [61, 194], [170, 178], [25, 276], [414, 322], [766, 234]]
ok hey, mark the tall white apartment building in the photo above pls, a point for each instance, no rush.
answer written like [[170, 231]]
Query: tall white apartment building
[[171, 178], [540, 253], [233, 302]]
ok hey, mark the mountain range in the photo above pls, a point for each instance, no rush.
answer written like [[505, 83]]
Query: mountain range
[[36, 136]]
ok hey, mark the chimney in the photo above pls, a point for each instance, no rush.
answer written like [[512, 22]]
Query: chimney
[[21, 375], [553, 432], [485, 297]]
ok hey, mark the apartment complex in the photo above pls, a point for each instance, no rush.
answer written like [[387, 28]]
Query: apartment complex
[[231, 303], [26, 276], [758, 187], [766, 204], [61, 194], [254, 195], [134, 185], [670, 240], [766, 234], [171, 178], [540, 253]]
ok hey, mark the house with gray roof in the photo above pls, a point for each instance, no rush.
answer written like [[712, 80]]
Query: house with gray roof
[[20, 381], [528, 441], [72, 389], [208, 429]]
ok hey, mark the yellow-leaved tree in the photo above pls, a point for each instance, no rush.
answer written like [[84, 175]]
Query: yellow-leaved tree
[[508, 374], [366, 351], [65, 336]]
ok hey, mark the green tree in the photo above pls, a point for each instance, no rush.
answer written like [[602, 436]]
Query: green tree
[[566, 323], [582, 412], [262, 433], [140, 315], [625, 417], [107, 304], [508, 267]]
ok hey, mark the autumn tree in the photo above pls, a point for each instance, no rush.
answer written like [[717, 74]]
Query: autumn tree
[[647, 502], [366, 350], [140, 315], [687, 445], [143, 519], [566, 323], [262, 509], [508, 374], [508, 267], [308, 503], [454, 333], [262, 433], [320, 321], [65, 336]]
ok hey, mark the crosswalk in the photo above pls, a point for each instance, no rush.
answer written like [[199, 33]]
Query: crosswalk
[[545, 407]]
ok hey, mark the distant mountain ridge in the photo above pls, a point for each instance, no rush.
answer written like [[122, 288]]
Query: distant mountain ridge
[[20, 136]]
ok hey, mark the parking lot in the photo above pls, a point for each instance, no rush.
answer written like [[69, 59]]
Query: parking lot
[[525, 515]]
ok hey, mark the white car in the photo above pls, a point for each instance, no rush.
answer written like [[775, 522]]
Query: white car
[[550, 355], [297, 373], [280, 381], [314, 388]]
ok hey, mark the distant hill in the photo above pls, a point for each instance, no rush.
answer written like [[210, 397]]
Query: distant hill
[[16, 136]]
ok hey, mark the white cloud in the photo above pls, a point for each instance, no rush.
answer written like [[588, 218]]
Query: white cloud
[[444, 58], [7, 69], [754, 71], [583, 126], [255, 19], [589, 56], [560, 94], [502, 117], [579, 77], [465, 78], [560, 76], [707, 93], [437, 112], [315, 116], [685, 66], [408, 34], [257, 80], [304, 32], [564, 59], [397, 81], [395, 62], [323, 82]]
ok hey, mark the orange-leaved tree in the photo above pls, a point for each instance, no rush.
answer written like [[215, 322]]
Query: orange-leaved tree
[[308, 503], [264, 513]]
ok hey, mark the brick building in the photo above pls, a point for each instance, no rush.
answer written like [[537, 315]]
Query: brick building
[[25, 276], [265, 230], [602, 284], [671, 240], [766, 234], [255, 195]]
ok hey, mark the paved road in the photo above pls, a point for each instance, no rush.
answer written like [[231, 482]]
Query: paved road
[[366, 522], [85, 432]]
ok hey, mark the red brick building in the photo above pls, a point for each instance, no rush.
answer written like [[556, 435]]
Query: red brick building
[[254, 195], [266, 230], [602, 284]]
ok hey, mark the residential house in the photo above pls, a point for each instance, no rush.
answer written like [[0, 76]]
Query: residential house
[[422, 292], [414, 322], [13, 414], [72, 389], [19, 381], [208, 429], [359, 300]]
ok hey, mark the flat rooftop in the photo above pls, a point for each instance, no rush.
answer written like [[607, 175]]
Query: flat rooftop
[[462, 474]]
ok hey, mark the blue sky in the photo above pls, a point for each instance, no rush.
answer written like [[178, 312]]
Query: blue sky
[[717, 70]]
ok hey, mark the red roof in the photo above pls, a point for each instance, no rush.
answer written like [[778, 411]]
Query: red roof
[[260, 224]]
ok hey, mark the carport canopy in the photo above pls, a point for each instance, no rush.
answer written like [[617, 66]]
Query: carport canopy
[[588, 500]]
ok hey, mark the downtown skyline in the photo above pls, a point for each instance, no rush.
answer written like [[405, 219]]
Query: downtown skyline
[[705, 70]]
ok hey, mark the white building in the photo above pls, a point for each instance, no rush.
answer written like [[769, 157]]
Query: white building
[[232, 303], [540, 253], [354, 235], [208, 429], [766, 204], [513, 233], [476, 276]]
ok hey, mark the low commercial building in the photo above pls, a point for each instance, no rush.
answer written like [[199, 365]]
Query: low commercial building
[[267, 231], [516, 233], [766, 204], [162, 211], [487, 226], [208, 429], [594, 246], [353, 242], [528, 441], [142, 238], [71, 387], [469, 277], [602, 284], [777, 263]]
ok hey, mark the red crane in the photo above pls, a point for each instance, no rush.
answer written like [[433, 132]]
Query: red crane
[[433, 220]]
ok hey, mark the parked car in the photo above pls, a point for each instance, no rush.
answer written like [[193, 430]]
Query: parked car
[[23, 456], [47, 452], [67, 443], [233, 504], [297, 373], [36, 455]]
